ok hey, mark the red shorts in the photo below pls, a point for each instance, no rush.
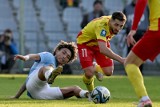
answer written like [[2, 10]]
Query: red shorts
[[87, 54], [149, 46]]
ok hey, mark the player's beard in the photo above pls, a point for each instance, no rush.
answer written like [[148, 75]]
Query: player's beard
[[114, 31]]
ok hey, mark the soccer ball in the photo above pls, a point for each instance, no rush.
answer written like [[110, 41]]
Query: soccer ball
[[100, 94]]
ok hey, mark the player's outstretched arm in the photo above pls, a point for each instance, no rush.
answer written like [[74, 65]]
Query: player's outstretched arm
[[27, 57], [109, 53], [20, 91], [138, 12]]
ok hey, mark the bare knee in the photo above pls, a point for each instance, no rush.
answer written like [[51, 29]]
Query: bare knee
[[108, 71], [89, 73]]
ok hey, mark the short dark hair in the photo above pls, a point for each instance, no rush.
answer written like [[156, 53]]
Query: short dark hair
[[69, 45], [119, 15], [97, 2], [8, 31]]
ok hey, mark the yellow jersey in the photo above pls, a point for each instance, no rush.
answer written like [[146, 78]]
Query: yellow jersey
[[96, 30], [154, 13], [154, 7]]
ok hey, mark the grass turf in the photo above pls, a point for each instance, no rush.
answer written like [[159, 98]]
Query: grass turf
[[122, 93]]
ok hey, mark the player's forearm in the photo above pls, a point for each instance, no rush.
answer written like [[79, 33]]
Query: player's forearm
[[109, 53], [140, 6], [21, 90], [33, 56]]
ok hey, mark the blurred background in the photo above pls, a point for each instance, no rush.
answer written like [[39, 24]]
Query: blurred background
[[38, 25]]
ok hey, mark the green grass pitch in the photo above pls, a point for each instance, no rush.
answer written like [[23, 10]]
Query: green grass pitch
[[122, 93]]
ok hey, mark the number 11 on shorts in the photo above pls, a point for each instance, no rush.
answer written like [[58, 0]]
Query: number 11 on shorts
[[84, 52]]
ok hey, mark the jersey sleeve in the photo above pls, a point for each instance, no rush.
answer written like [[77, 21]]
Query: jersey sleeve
[[47, 58], [101, 33], [139, 9]]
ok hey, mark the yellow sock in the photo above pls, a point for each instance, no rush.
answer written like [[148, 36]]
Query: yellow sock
[[136, 79], [89, 83], [98, 69]]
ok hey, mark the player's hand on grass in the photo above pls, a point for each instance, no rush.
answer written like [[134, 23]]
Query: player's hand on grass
[[13, 97], [130, 39]]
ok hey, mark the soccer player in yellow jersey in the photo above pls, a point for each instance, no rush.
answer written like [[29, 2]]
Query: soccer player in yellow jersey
[[93, 43], [147, 48]]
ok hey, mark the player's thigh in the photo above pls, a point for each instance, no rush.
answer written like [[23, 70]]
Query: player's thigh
[[149, 46], [102, 60], [132, 58], [53, 93], [106, 63], [86, 56], [33, 80]]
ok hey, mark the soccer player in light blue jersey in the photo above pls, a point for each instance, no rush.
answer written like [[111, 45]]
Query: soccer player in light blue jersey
[[46, 68]]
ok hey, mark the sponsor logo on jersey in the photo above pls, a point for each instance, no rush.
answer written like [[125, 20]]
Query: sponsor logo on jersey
[[103, 33]]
